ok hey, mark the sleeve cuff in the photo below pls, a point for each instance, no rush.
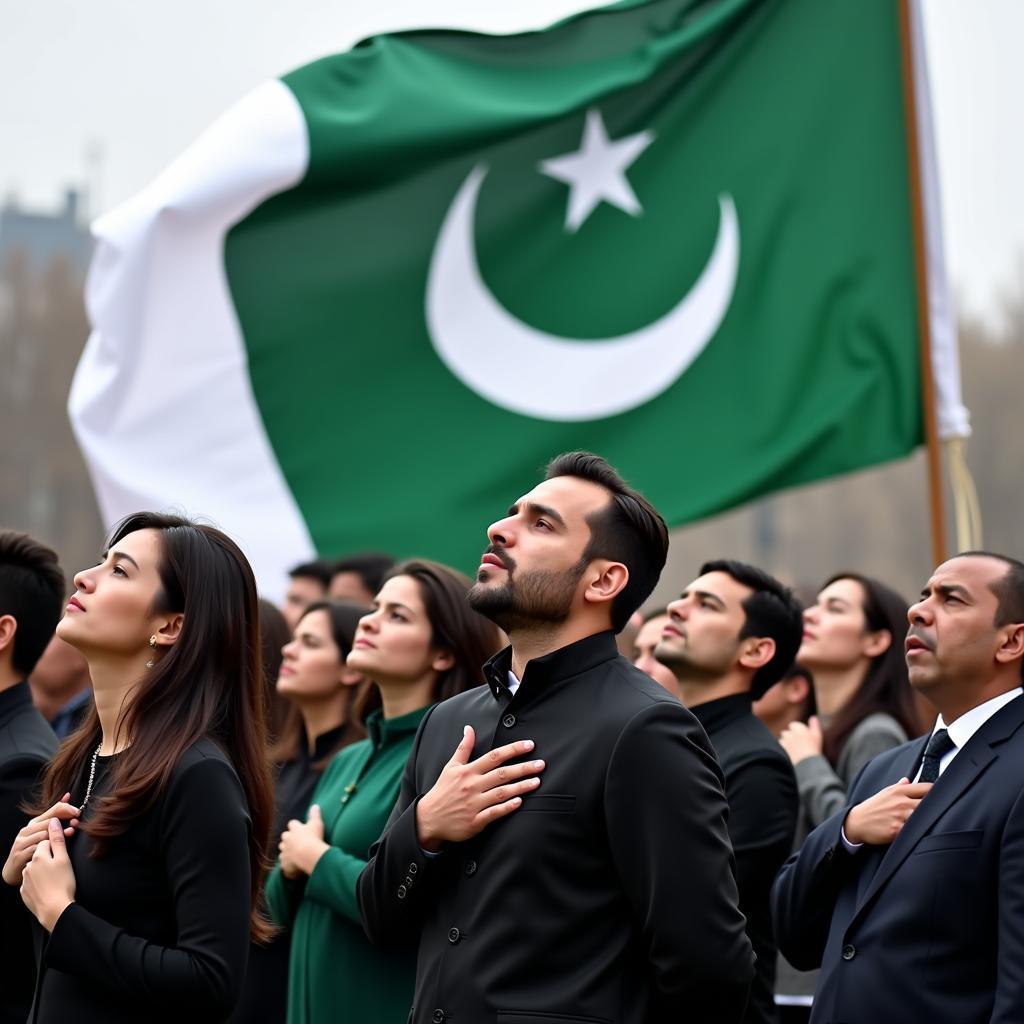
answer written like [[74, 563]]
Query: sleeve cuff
[[847, 845]]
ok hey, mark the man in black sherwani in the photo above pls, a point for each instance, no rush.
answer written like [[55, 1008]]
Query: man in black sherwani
[[731, 635], [559, 851]]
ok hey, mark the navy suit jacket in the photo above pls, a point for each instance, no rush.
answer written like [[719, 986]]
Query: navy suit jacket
[[931, 927]]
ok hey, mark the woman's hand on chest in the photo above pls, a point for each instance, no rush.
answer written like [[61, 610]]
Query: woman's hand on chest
[[302, 845]]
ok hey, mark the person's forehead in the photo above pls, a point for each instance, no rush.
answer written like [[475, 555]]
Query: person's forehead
[[316, 621], [976, 573], [401, 590], [844, 587], [723, 586], [142, 545], [568, 495]]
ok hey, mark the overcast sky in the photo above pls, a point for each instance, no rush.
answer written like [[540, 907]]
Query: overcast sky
[[138, 81]]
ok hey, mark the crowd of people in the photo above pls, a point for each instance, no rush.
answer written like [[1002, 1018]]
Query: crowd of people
[[412, 795]]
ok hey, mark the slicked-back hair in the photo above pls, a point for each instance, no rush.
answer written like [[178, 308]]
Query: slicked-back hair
[[1009, 590], [319, 569], [32, 592], [371, 567], [629, 530], [208, 684], [772, 610]]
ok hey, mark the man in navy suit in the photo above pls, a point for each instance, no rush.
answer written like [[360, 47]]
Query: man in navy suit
[[911, 898]]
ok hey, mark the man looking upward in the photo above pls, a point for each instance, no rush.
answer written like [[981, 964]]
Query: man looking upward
[[910, 898], [559, 849], [731, 635]]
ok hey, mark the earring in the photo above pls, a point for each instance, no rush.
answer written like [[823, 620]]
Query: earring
[[152, 643]]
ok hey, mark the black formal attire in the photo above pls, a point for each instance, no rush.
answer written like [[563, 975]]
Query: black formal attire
[[760, 787], [264, 997], [27, 744], [930, 927], [159, 930], [609, 895]]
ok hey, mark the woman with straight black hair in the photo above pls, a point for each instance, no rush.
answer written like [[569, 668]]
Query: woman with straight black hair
[[144, 869]]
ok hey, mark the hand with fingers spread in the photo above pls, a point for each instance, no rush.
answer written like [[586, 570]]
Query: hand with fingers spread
[[48, 880], [880, 818], [469, 795], [302, 845], [33, 833]]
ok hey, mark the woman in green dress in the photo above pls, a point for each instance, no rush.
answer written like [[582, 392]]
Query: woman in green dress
[[421, 643]]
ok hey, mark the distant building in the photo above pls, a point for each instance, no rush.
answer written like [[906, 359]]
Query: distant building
[[44, 237]]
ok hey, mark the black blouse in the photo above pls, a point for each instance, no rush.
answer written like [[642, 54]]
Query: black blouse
[[159, 930]]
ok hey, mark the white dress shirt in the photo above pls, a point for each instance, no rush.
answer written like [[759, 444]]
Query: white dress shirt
[[960, 731], [968, 724]]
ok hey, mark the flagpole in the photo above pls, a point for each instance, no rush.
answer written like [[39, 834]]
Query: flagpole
[[934, 457]]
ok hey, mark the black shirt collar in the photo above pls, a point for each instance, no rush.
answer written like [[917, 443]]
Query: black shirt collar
[[568, 661], [323, 744], [716, 713]]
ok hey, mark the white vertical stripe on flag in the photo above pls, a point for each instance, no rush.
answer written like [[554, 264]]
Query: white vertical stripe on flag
[[953, 419], [162, 403]]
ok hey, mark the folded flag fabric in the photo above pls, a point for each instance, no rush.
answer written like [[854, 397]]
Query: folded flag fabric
[[369, 303]]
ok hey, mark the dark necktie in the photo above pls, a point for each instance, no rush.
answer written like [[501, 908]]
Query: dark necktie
[[938, 746]]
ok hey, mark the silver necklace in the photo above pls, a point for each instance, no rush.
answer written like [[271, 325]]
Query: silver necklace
[[92, 775]]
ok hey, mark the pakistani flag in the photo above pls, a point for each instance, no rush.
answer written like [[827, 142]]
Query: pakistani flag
[[370, 302]]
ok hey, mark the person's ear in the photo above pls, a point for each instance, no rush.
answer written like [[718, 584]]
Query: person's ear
[[877, 643], [757, 651], [350, 676], [1011, 646], [169, 629], [443, 660], [797, 689], [8, 627], [606, 581]]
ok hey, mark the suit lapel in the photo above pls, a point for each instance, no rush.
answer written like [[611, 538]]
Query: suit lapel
[[954, 782]]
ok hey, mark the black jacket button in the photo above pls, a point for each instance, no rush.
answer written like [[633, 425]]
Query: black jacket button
[[438, 1016], [508, 721], [454, 935], [402, 891], [413, 868], [849, 951], [471, 867]]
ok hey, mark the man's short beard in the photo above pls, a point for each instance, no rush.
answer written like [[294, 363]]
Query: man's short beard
[[529, 600], [685, 669]]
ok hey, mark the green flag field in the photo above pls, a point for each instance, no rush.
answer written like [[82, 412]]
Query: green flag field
[[371, 301]]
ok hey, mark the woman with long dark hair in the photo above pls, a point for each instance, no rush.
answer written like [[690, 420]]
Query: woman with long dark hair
[[151, 901], [853, 646], [421, 644], [321, 692]]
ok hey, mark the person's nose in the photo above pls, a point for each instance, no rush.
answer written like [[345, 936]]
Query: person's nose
[[920, 613], [368, 623], [501, 534], [811, 614], [288, 652], [83, 580], [678, 611]]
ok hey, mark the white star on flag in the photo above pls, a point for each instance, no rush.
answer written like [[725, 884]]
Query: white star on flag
[[596, 172]]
